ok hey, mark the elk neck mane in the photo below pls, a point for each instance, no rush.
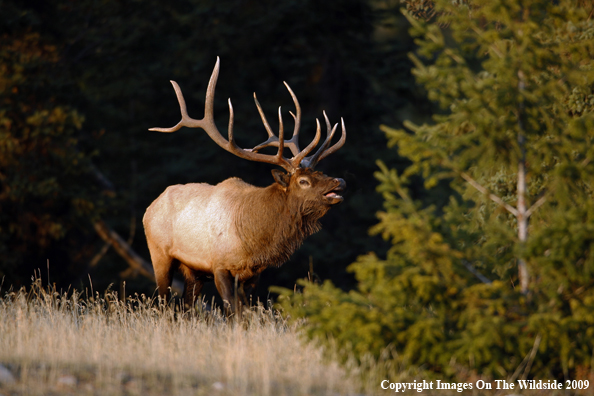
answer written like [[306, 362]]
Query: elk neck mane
[[272, 223]]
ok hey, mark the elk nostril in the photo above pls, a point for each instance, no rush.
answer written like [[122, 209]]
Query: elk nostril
[[341, 183]]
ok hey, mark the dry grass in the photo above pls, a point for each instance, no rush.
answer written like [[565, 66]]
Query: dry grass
[[54, 343]]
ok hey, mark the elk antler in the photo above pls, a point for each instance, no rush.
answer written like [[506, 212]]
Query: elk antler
[[290, 165], [300, 157]]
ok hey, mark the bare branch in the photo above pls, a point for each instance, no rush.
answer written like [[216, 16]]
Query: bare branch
[[532, 356], [493, 197], [537, 204], [476, 273], [95, 260], [527, 362], [127, 253]]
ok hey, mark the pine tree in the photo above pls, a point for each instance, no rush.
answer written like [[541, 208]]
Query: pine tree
[[500, 270]]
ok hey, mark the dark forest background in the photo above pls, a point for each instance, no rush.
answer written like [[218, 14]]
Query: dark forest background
[[82, 81]]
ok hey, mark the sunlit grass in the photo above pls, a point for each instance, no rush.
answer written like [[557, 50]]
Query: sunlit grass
[[57, 343]]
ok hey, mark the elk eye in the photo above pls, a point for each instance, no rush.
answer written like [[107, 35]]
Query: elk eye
[[304, 183]]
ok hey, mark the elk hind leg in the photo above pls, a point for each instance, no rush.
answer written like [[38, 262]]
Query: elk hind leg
[[224, 283], [192, 285], [246, 288]]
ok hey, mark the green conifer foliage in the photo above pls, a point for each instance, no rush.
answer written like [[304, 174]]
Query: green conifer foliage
[[495, 276]]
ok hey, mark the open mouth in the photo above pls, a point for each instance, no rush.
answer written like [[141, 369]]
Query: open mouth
[[333, 195]]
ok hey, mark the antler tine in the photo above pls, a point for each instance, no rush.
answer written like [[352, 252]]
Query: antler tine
[[185, 120], [208, 120], [272, 141], [281, 135], [271, 135], [329, 134], [337, 145], [294, 141], [230, 126], [325, 150], [300, 159], [207, 123]]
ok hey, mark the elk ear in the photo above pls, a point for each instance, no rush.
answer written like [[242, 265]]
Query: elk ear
[[281, 177]]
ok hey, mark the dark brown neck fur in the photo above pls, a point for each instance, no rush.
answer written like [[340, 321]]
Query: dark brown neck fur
[[276, 226]]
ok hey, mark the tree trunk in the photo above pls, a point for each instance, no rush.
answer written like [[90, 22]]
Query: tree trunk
[[522, 219], [522, 214]]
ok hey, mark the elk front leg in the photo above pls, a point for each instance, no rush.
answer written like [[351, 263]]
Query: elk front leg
[[224, 283], [246, 289]]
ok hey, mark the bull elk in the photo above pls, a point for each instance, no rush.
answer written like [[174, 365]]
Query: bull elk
[[233, 231]]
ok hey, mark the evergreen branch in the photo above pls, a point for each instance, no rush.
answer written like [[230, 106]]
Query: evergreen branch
[[492, 196], [457, 58]]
